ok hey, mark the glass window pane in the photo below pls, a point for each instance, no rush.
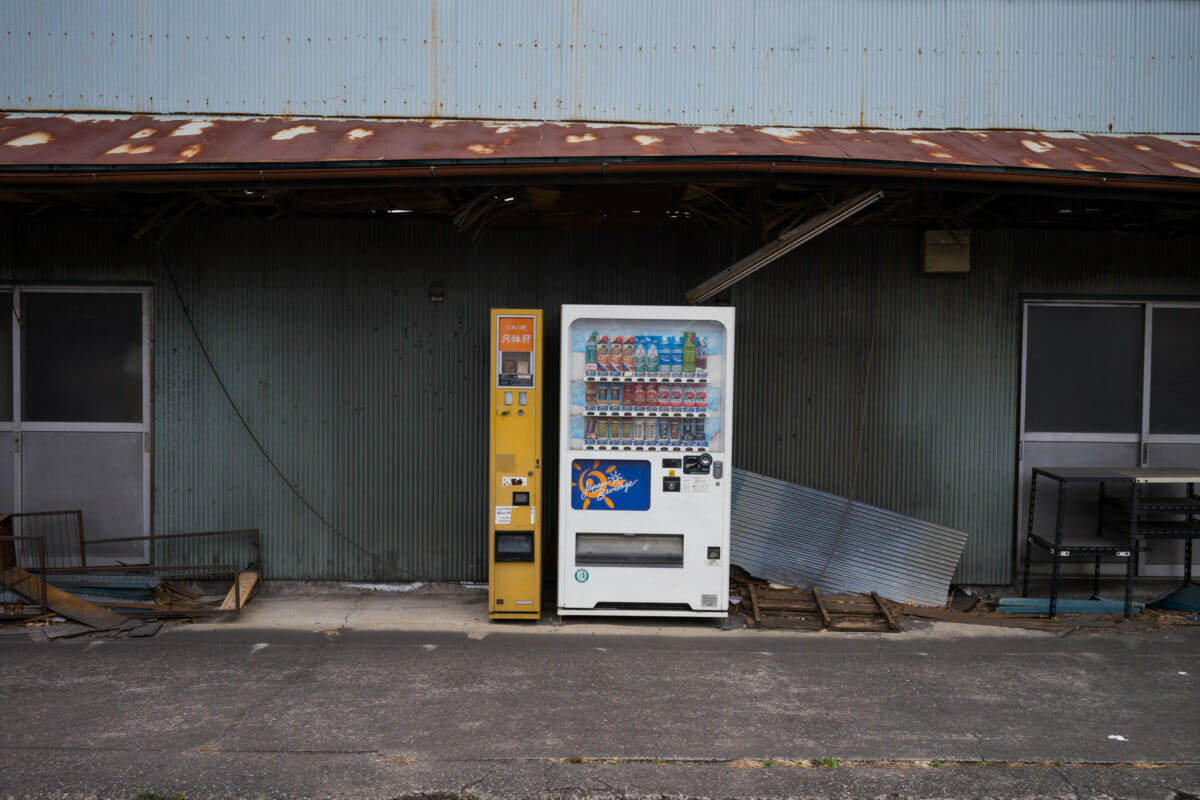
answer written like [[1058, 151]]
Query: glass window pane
[[6, 394], [81, 357], [1175, 371], [1084, 370]]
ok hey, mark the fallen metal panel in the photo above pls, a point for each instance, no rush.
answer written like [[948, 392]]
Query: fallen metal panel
[[798, 536]]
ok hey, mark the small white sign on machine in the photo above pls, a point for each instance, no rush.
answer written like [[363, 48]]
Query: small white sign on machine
[[514, 480], [504, 515]]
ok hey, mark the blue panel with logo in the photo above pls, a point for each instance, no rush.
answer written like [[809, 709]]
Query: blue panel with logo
[[605, 485]]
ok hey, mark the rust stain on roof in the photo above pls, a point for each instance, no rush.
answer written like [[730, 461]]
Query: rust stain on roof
[[78, 140]]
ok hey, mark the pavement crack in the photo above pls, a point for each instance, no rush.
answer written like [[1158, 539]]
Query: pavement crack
[[470, 787], [353, 610]]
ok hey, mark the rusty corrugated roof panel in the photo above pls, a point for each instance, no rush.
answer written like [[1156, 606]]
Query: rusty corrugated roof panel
[[32, 141]]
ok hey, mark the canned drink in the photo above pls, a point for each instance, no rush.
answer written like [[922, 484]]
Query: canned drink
[[602, 395], [589, 431], [639, 431], [627, 431], [663, 436], [601, 431], [685, 432], [702, 401], [627, 397], [677, 399], [652, 394], [689, 400], [675, 431], [639, 394], [698, 432], [590, 395]]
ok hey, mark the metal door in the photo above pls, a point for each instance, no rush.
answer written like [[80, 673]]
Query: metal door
[[80, 410], [1107, 384]]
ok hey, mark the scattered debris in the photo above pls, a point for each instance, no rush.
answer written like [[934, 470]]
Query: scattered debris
[[814, 610], [1184, 598], [947, 615], [30, 586]]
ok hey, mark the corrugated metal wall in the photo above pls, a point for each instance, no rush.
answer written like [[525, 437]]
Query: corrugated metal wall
[[901, 390], [856, 374], [1086, 65]]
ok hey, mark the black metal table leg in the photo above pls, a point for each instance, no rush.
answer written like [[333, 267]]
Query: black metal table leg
[[1056, 557], [1131, 562], [1029, 532]]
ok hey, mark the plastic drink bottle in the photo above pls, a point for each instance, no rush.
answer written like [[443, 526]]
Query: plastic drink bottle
[[639, 357], [651, 355], [602, 354], [676, 355], [627, 354], [689, 352], [589, 355], [702, 354], [664, 354]]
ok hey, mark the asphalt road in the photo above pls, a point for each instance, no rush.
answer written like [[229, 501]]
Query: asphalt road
[[338, 713]]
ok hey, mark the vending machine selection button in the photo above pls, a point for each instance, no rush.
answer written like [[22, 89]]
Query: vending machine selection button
[[521, 397], [508, 398]]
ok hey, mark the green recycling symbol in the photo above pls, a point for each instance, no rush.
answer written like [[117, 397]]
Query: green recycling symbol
[[581, 575]]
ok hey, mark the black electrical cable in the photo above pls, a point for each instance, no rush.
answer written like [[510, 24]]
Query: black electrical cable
[[187, 314]]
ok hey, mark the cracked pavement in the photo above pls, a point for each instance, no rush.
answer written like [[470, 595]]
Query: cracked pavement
[[340, 707]]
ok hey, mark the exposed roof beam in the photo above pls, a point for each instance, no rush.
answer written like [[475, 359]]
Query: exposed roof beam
[[785, 243]]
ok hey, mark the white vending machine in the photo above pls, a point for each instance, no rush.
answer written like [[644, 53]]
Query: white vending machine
[[644, 470]]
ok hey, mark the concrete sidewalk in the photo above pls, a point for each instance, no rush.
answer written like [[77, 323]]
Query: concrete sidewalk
[[320, 693]]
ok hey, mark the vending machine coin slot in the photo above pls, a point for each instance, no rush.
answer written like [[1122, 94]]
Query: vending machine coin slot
[[697, 465]]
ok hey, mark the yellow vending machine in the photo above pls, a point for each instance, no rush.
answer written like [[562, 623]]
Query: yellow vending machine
[[515, 466]]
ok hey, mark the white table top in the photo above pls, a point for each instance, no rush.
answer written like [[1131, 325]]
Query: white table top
[[1138, 474]]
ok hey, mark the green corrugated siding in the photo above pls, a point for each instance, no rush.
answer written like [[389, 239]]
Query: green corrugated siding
[[869, 379], [371, 399]]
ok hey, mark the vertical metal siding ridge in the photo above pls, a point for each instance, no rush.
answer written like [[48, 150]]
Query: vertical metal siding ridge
[[789, 533], [825, 63]]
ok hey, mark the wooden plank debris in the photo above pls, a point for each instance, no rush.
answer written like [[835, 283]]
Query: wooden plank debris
[[946, 615], [28, 585], [239, 593], [812, 610]]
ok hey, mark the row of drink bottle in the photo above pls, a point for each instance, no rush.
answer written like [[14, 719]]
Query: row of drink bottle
[[645, 432], [644, 397], [646, 355]]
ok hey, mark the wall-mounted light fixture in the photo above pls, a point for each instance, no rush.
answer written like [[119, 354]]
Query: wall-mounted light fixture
[[437, 291]]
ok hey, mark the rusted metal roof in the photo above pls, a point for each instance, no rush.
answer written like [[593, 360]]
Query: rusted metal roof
[[32, 145]]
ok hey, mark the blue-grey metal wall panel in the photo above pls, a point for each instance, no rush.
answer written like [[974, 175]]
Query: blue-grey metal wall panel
[[860, 376], [368, 400], [1086, 65], [897, 389]]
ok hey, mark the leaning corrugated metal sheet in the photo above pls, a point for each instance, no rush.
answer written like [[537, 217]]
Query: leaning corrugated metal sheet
[[791, 534]]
